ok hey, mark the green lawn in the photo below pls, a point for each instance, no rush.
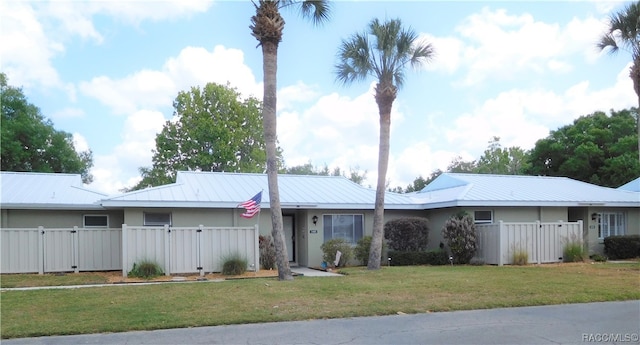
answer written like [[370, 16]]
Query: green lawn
[[358, 293]]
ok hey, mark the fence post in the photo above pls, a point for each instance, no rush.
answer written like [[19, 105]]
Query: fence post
[[167, 250], [199, 250], [500, 242], [40, 250], [256, 249], [539, 241], [76, 250], [125, 249]]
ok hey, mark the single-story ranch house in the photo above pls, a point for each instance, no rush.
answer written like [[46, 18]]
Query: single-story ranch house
[[315, 209]]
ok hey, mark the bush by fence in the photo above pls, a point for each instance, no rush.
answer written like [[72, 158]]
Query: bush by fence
[[622, 247], [407, 234], [404, 258]]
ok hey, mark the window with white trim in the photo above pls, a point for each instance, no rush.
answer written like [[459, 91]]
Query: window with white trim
[[611, 224], [157, 218], [483, 217], [95, 221], [349, 227]]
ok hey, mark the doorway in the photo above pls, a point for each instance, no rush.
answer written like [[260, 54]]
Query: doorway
[[289, 237]]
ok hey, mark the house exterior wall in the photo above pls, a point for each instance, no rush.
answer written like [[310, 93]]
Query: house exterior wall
[[55, 218], [596, 245]]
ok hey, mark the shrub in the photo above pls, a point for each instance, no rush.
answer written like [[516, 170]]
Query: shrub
[[460, 233], [361, 252], [573, 251], [598, 258], [622, 247], [407, 234], [267, 252], [234, 264], [432, 257], [331, 247], [520, 257], [146, 269]]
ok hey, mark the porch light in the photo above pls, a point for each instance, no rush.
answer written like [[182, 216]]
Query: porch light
[[315, 220], [594, 216]]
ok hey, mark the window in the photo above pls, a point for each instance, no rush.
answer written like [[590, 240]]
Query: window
[[96, 221], [157, 218], [483, 217], [610, 224], [347, 226]]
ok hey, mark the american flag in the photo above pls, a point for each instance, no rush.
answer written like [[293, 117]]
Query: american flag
[[252, 206]]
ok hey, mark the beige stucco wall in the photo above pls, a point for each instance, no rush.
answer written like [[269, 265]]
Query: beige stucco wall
[[55, 218]]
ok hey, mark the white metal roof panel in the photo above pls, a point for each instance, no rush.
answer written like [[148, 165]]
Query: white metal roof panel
[[633, 186], [516, 190], [27, 190], [216, 189]]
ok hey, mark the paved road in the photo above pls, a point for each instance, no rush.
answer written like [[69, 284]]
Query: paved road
[[608, 322]]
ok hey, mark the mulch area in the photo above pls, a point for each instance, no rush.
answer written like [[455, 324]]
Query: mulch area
[[115, 277]]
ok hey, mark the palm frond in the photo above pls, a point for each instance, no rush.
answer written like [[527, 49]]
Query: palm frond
[[382, 52], [319, 11]]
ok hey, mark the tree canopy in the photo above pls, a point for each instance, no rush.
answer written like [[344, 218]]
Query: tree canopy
[[596, 148], [31, 143], [214, 130], [354, 174]]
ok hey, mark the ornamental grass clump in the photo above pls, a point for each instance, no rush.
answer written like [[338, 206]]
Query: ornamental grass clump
[[573, 250], [459, 232], [520, 257], [146, 269], [234, 264]]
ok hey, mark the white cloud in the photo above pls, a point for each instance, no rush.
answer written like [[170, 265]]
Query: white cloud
[[118, 169], [494, 44], [80, 143], [153, 89], [26, 51]]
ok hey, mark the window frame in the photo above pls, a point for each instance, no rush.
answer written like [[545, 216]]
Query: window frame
[[482, 221], [617, 229], [354, 231], [84, 220], [145, 222]]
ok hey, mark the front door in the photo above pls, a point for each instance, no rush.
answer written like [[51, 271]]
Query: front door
[[289, 237]]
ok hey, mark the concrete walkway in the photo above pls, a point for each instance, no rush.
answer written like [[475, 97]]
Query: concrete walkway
[[607, 322]]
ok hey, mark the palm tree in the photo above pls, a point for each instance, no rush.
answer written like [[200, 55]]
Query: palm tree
[[266, 27], [624, 33], [381, 52]]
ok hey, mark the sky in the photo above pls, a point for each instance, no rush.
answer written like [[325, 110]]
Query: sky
[[107, 72]]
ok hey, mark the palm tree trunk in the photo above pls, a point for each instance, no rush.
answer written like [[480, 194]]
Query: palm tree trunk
[[635, 76], [270, 67], [375, 251]]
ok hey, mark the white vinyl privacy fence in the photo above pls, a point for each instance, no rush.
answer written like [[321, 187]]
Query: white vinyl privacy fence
[[188, 250], [544, 242], [43, 250]]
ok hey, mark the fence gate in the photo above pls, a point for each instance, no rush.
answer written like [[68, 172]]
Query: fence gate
[[60, 250]]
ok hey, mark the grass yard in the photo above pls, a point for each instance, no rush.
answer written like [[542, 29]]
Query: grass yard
[[359, 293]]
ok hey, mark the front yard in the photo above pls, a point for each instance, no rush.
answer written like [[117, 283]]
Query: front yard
[[391, 290]]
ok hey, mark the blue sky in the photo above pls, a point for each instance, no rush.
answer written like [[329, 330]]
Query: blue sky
[[108, 71]]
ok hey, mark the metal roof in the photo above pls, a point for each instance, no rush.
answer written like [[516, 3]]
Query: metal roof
[[633, 186], [454, 189], [225, 190], [27, 190]]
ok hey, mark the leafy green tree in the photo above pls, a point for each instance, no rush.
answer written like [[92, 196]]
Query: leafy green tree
[[624, 33], [458, 165], [354, 174], [214, 130], [267, 26], [31, 143], [596, 148], [496, 160], [383, 51]]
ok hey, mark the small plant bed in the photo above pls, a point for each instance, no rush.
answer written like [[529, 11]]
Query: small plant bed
[[114, 277]]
